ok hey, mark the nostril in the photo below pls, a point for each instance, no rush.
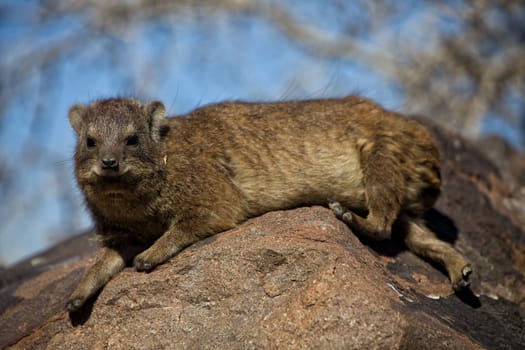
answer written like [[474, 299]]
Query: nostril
[[109, 163]]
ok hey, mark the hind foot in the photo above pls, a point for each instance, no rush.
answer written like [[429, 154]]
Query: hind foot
[[462, 282], [340, 212], [375, 227]]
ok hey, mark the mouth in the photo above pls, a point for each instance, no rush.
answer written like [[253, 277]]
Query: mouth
[[115, 193], [113, 188], [112, 183], [108, 173]]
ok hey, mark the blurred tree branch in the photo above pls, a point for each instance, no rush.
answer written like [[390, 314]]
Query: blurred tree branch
[[474, 63]]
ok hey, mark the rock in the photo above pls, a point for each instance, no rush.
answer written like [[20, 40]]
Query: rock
[[506, 157], [69, 250], [300, 279]]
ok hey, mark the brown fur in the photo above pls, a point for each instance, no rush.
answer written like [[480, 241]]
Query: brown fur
[[202, 173]]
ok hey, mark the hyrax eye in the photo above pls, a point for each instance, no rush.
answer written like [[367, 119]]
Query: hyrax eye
[[133, 140], [90, 142]]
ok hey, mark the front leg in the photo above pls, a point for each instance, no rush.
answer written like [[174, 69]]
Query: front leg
[[169, 244], [110, 261]]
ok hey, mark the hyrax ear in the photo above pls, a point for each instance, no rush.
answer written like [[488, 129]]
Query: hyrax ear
[[76, 116], [157, 119]]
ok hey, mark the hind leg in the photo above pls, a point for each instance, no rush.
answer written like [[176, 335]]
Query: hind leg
[[383, 190], [384, 186], [421, 241], [376, 227]]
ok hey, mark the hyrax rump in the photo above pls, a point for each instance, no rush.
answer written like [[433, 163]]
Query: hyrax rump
[[155, 185]]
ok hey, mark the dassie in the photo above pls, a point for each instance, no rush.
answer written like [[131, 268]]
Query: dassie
[[155, 185]]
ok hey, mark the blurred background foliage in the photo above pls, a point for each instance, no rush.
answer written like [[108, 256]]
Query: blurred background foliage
[[461, 63]]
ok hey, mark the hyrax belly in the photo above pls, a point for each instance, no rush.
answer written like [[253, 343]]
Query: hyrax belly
[[306, 173]]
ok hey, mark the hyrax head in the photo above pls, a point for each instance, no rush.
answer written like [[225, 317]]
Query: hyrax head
[[117, 138]]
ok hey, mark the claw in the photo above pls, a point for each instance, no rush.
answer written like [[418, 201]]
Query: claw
[[461, 285], [467, 270], [347, 217], [340, 212], [142, 266], [74, 305], [336, 207], [464, 283]]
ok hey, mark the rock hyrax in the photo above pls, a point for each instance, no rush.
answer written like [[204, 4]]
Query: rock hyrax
[[155, 185]]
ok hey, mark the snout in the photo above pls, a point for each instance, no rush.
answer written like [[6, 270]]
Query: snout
[[109, 164], [109, 167]]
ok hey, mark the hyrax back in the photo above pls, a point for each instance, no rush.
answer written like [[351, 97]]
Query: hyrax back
[[155, 185]]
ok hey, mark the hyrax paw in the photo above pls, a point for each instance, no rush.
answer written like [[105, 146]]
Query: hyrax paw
[[74, 304], [463, 282], [150, 258], [146, 261], [336, 207], [467, 270], [347, 217], [142, 265], [340, 212]]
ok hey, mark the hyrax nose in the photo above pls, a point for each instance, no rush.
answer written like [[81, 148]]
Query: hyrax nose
[[109, 163]]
